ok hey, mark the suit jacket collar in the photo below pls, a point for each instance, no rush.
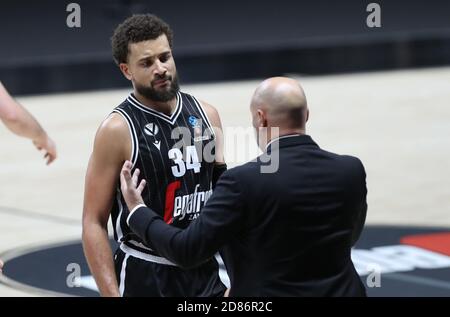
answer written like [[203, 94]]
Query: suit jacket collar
[[290, 140]]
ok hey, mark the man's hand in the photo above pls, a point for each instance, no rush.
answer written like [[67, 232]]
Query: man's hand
[[1, 266], [128, 184], [46, 144]]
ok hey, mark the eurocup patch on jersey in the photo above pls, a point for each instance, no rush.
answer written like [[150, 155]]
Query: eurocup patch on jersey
[[194, 122]]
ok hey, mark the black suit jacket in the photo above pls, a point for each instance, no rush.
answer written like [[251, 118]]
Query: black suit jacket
[[287, 233]]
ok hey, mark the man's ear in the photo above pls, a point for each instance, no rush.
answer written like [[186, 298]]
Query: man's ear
[[262, 118], [307, 114], [125, 70]]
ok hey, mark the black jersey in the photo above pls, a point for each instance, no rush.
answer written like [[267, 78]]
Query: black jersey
[[175, 155]]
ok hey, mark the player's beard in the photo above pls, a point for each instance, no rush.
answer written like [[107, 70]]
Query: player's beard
[[161, 95]]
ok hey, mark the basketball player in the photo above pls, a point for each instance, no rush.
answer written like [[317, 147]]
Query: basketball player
[[21, 122], [163, 132]]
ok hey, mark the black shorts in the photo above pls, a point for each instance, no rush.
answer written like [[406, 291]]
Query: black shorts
[[137, 277]]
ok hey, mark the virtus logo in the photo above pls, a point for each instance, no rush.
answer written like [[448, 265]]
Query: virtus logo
[[151, 129]]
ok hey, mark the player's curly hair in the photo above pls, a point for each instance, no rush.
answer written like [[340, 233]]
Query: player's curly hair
[[137, 28]]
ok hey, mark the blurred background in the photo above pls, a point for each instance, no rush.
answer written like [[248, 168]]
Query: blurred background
[[218, 41], [379, 93]]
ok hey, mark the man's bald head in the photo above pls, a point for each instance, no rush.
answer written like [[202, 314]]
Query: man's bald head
[[282, 103]]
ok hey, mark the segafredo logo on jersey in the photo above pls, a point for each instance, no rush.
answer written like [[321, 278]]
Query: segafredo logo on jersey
[[419, 251], [152, 130], [189, 206]]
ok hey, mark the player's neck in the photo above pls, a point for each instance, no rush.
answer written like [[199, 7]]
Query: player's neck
[[167, 107]]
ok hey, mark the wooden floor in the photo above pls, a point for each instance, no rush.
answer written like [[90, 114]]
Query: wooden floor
[[398, 123]]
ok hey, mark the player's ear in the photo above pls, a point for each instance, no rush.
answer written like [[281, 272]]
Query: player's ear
[[307, 114], [125, 70]]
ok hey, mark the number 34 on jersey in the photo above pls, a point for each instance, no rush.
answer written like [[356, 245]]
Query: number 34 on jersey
[[192, 161]]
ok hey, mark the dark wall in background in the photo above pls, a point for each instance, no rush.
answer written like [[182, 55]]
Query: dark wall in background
[[219, 40]]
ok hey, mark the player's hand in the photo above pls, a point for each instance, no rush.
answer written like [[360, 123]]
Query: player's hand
[[48, 146], [1, 266], [132, 193]]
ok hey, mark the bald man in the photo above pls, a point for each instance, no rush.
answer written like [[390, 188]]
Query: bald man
[[285, 233]]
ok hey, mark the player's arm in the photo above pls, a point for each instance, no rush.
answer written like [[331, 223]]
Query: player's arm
[[214, 118], [111, 147], [21, 122]]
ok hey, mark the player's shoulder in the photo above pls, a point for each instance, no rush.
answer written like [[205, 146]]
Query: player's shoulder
[[114, 127], [206, 106], [209, 108], [112, 140], [212, 113]]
